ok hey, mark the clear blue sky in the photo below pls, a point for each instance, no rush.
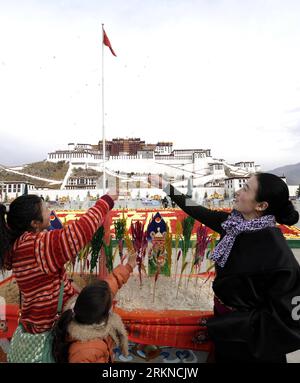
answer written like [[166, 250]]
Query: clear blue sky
[[210, 74]]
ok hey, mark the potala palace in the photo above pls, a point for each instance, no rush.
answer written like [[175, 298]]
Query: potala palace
[[130, 161]]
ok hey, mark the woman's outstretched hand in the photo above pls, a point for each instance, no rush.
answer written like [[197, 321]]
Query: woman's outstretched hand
[[157, 181]]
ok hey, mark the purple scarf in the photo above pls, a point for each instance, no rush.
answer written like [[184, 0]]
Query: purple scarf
[[234, 225]]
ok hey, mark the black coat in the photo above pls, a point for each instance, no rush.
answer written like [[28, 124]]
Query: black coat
[[260, 279]]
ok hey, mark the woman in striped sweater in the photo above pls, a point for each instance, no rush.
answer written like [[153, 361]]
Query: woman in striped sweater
[[37, 256]]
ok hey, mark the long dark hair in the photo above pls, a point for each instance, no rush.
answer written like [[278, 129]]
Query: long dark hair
[[274, 190], [92, 306], [13, 224]]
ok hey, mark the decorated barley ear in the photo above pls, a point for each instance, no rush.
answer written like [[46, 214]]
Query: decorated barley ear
[[120, 229], [178, 237], [96, 244], [108, 249], [213, 242], [202, 243], [187, 228], [168, 247], [82, 257], [128, 242], [178, 234], [140, 243]]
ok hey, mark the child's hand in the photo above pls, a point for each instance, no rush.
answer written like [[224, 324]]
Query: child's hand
[[132, 259]]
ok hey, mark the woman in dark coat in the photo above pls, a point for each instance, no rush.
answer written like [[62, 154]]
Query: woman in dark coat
[[257, 276]]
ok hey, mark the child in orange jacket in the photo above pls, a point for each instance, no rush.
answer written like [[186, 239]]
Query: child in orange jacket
[[90, 331]]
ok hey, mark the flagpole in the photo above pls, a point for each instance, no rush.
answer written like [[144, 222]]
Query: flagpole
[[103, 127]]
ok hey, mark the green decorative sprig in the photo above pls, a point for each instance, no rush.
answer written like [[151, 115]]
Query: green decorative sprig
[[120, 229], [185, 242], [108, 250], [96, 244]]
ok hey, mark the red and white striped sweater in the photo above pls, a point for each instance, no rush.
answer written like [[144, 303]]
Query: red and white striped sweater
[[38, 261]]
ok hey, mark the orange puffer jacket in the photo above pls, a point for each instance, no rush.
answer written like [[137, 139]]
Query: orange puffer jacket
[[95, 343]]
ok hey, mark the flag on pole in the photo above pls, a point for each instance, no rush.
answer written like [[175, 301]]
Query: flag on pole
[[107, 42]]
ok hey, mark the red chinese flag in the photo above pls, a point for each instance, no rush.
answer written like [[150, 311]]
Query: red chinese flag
[[107, 43]]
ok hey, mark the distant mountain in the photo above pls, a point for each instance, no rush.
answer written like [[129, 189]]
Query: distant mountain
[[291, 172]]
